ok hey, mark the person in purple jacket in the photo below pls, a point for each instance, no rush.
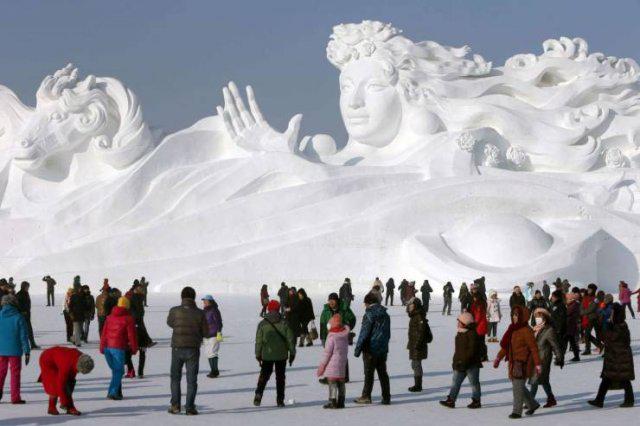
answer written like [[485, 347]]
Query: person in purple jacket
[[212, 344]]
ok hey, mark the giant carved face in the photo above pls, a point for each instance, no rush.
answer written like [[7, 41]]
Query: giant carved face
[[370, 104]]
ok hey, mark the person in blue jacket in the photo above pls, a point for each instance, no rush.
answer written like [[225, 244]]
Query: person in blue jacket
[[373, 343], [14, 342]]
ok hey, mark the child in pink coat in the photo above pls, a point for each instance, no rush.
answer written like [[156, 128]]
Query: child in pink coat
[[333, 364]]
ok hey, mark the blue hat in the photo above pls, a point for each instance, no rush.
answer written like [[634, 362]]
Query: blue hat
[[208, 297]]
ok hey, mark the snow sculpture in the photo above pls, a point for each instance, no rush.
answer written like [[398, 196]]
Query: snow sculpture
[[453, 169]]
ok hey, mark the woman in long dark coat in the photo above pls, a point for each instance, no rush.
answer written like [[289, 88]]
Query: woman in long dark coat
[[292, 313], [417, 342], [548, 346], [305, 308], [617, 367]]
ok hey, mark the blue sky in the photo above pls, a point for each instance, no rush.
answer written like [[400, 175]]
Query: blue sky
[[177, 55]]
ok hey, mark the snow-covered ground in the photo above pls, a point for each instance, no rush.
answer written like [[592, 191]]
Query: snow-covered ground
[[228, 399]]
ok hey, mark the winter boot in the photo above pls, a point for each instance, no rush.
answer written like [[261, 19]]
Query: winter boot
[[363, 400], [280, 403], [532, 410], [515, 416], [332, 404], [174, 409], [551, 402], [417, 387], [130, 374], [449, 402], [257, 400], [627, 404], [596, 403], [53, 401], [191, 411], [340, 401], [475, 403], [72, 411]]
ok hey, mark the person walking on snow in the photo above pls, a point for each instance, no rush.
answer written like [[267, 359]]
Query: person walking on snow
[[447, 294], [467, 362], [14, 342], [548, 346], [307, 318], [518, 346], [118, 336], [212, 344], [333, 364], [51, 289], [275, 343], [391, 287], [100, 305], [24, 305], [373, 343], [625, 297], [426, 291]]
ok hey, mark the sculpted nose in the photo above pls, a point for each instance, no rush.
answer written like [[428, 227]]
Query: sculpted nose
[[357, 100]]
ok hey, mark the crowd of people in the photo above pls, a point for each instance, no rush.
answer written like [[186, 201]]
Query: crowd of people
[[543, 325]]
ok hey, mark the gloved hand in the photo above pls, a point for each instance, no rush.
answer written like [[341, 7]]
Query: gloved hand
[[496, 363], [356, 353], [27, 358], [292, 357]]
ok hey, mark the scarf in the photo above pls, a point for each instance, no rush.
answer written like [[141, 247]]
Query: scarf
[[505, 343], [337, 329], [539, 327]]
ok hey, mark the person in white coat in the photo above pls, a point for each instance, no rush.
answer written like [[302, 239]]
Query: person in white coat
[[494, 315]]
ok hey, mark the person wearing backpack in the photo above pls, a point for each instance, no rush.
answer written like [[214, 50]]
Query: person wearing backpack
[[373, 343], [419, 336], [275, 343]]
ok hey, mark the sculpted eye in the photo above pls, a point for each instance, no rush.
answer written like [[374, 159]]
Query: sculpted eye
[[345, 87], [57, 116], [376, 87]]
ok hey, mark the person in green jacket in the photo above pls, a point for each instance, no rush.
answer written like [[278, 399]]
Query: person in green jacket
[[275, 343], [336, 306]]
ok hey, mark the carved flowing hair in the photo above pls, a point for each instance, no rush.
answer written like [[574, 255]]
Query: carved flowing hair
[[107, 110]]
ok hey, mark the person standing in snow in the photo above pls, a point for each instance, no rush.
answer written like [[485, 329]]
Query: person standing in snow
[[464, 297], [419, 336], [447, 294], [144, 287], [373, 343], [59, 367], [306, 315], [518, 346], [189, 327], [426, 291], [494, 315], [283, 296], [90, 313], [118, 336], [333, 364], [275, 343], [517, 299], [467, 362], [100, 305], [528, 292], [546, 291], [346, 293], [77, 310], [24, 305], [391, 287], [336, 306], [617, 366], [402, 289], [538, 302], [212, 344], [264, 299], [478, 309], [51, 290], [624, 296], [14, 342], [572, 331]]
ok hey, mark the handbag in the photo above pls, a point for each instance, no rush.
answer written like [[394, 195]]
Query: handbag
[[518, 370], [313, 332]]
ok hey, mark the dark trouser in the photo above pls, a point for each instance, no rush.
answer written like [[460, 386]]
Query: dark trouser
[[189, 357], [145, 298], [32, 341], [493, 329], [85, 329], [50, 297], [447, 306], [101, 324], [546, 386], [521, 396], [141, 361], [425, 304], [571, 342], [589, 339], [68, 324], [128, 360], [473, 374], [265, 374], [387, 297], [374, 364], [605, 384], [628, 305]]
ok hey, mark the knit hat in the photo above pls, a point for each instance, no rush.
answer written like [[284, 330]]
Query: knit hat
[[208, 298], [466, 318], [9, 299], [334, 296], [273, 306], [85, 364], [608, 298], [123, 302]]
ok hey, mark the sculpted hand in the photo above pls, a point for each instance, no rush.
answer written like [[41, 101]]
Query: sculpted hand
[[248, 128]]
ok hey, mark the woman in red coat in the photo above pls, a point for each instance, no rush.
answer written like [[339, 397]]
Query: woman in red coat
[[118, 337], [58, 369]]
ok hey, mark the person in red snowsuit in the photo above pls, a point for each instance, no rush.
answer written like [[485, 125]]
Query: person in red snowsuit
[[58, 369]]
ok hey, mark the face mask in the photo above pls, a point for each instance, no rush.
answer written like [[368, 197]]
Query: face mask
[[539, 321]]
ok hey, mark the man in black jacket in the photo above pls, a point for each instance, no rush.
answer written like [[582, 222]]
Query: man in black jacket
[[346, 293], [426, 291], [77, 310], [391, 287], [283, 295], [189, 328], [51, 286], [24, 305]]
